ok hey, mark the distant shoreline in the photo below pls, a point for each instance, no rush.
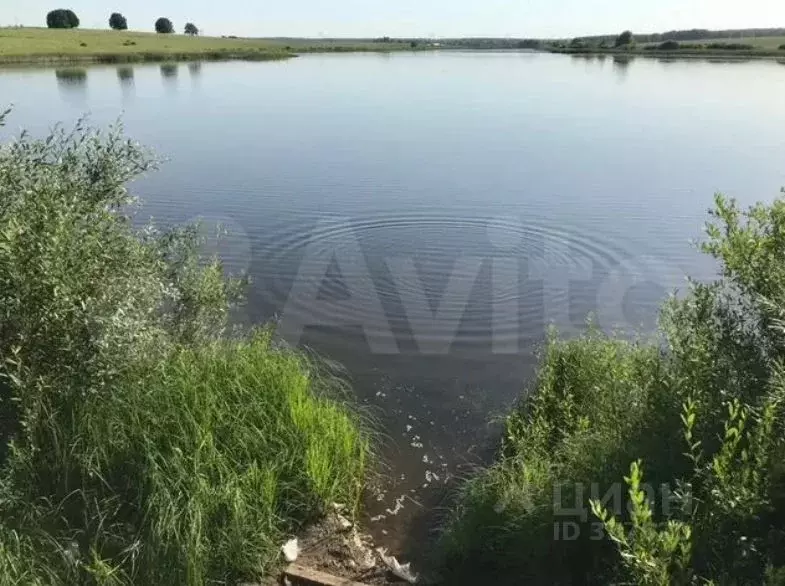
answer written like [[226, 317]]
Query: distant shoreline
[[131, 58], [41, 46], [123, 58], [675, 54]]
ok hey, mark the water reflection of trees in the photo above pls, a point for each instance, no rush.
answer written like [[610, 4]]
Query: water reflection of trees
[[195, 69], [169, 70], [72, 83], [727, 60], [169, 73], [73, 77], [125, 74], [621, 65], [583, 56]]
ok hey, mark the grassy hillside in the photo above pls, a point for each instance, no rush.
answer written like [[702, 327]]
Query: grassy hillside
[[27, 41], [40, 44]]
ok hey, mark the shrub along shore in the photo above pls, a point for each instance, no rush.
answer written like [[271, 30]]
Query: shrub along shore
[[145, 442], [655, 462]]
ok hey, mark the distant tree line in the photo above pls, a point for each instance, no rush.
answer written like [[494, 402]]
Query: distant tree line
[[387, 40], [676, 46], [491, 43], [66, 18], [626, 39], [692, 35]]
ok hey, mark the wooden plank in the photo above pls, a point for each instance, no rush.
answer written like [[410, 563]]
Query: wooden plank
[[305, 575]]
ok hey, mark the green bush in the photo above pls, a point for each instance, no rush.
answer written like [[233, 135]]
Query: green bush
[[669, 46], [144, 446], [591, 395], [699, 410]]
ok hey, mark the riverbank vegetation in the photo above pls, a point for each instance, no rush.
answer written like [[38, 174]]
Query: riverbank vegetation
[[763, 38], [696, 43], [145, 441], [760, 43], [671, 48], [649, 462]]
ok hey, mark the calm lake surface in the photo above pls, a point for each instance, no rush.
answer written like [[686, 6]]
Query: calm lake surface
[[422, 218]]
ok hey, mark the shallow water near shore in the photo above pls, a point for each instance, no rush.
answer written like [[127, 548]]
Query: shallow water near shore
[[422, 218]]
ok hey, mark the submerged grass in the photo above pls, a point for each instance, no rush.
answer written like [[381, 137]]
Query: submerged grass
[[145, 446]]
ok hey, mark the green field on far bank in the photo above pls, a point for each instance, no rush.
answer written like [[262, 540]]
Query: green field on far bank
[[22, 45]]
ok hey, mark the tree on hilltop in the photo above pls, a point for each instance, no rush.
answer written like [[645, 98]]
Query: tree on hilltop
[[62, 18], [164, 26], [118, 22]]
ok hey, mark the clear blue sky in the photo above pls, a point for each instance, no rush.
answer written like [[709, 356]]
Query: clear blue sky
[[444, 18]]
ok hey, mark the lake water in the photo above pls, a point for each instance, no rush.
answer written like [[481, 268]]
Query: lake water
[[422, 218]]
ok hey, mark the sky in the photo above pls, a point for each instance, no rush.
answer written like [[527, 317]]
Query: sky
[[413, 18]]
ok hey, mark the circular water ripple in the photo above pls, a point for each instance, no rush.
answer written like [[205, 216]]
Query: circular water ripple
[[439, 278]]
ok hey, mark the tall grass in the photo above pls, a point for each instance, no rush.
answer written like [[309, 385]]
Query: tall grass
[[144, 445], [649, 463]]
